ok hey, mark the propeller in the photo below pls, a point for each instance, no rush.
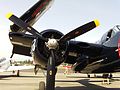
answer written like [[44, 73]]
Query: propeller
[[79, 31], [53, 44], [50, 43], [71, 35], [24, 25]]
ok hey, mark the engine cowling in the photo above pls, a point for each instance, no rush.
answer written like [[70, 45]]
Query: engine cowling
[[41, 53]]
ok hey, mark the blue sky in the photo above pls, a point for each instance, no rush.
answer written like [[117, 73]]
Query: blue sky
[[64, 15]]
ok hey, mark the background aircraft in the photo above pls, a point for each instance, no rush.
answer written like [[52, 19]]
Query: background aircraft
[[6, 65], [50, 48]]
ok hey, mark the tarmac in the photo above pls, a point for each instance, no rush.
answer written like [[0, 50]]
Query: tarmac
[[71, 81]]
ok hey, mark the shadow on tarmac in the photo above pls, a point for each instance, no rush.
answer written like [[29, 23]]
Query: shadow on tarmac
[[87, 86], [4, 77]]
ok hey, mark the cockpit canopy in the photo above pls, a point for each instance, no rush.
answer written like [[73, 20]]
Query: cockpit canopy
[[116, 28], [109, 34]]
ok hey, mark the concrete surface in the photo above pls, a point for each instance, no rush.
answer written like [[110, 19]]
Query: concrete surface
[[73, 81]]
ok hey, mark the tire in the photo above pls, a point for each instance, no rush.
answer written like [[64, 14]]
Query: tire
[[105, 75], [88, 76], [18, 73], [110, 76], [42, 86]]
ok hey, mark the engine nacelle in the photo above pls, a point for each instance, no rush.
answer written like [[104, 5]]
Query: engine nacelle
[[41, 53]]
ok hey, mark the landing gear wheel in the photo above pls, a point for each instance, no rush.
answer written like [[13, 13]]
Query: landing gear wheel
[[111, 75], [88, 76], [18, 73], [42, 86], [105, 75]]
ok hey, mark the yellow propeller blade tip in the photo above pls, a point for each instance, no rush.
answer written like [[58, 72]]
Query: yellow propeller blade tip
[[9, 15], [97, 23]]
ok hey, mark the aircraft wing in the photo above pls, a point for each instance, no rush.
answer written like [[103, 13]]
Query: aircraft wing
[[21, 43], [6, 66], [84, 48], [89, 57], [80, 53], [14, 68]]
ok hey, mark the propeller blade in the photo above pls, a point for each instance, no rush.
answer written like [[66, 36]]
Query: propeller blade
[[24, 25], [79, 31], [51, 71]]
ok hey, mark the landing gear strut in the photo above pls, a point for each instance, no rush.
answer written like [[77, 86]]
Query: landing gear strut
[[88, 75], [51, 72], [52, 44], [18, 73], [106, 78]]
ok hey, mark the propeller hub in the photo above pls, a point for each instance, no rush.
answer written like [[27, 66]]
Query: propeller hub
[[52, 44]]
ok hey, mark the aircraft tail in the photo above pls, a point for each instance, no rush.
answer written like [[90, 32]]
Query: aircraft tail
[[4, 64], [33, 14]]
